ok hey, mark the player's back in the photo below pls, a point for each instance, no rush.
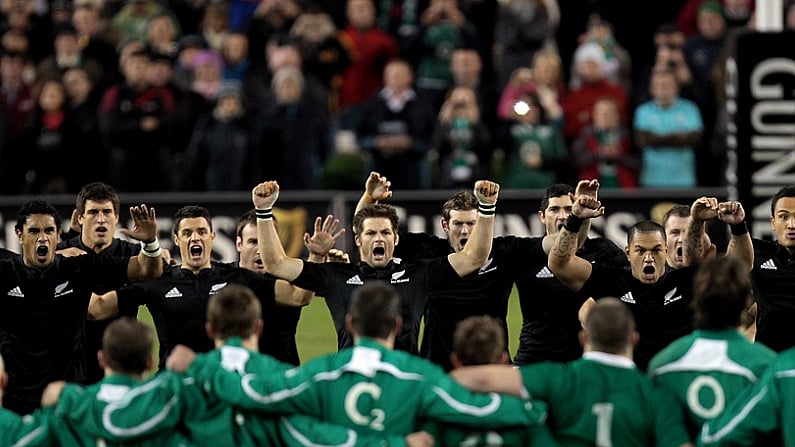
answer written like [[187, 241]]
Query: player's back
[[604, 399]]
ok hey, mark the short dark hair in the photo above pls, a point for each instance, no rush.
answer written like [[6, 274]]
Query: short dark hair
[[676, 210], [233, 312], [787, 191], [36, 206], [127, 344], [610, 325], [249, 217], [479, 340], [556, 190], [644, 226], [376, 210], [190, 212], [374, 308], [721, 293], [461, 201], [98, 192]]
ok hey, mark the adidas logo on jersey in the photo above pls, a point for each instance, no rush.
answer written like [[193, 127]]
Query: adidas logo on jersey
[[670, 298], [628, 298], [544, 273], [60, 289], [487, 267], [216, 287], [354, 281], [397, 277], [769, 265], [17, 292], [174, 293]]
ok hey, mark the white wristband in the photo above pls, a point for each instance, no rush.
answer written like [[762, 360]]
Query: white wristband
[[487, 210], [151, 249]]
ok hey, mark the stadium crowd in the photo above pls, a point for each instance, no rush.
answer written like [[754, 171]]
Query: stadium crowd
[[672, 340], [216, 94]]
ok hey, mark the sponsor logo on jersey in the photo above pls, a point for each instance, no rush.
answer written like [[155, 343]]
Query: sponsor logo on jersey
[[17, 292], [60, 289], [769, 265], [487, 267], [670, 298], [216, 287], [545, 273], [628, 298], [174, 293], [354, 281], [397, 277]]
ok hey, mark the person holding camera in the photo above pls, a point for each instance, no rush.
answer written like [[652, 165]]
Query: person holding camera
[[461, 140]]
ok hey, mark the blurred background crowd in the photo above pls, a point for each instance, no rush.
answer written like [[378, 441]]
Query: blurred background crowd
[[209, 95]]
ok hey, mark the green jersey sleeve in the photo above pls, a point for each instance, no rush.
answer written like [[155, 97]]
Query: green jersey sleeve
[[28, 431], [302, 431]]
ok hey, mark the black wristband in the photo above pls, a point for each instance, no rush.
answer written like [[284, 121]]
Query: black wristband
[[739, 229], [573, 223], [264, 213], [487, 210]]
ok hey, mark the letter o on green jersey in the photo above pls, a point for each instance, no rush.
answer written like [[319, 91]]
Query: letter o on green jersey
[[694, 402]]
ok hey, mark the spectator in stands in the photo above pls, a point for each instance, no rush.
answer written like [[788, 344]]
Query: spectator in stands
[[467, 68], [46, 137], [589, 65], [214, 26], [234, 51], [604, 150], [222, 149], [522, 28], [131, 20], [22, 16], [462, 141], [16, 106], [444, 28], [668, 131], [135, 136], [397, 129], [96, 39], [371, 48], [271, 22], [67, 55], [618, 64], [91, 160], [189, 47], [162, 35], [534, 149], [323, 54]]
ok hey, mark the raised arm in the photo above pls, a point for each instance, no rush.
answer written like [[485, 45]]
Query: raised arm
[[275, 260], [563, 261], [477, 249], [148, 264], [584, 188], [376, 189], [740, 244], [693, 245], [319, 244]]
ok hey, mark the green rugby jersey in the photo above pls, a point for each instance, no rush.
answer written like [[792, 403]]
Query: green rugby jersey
[[368, 387], [706, 369], [25, 431], [604, 400], [759, 411], [122, 411]]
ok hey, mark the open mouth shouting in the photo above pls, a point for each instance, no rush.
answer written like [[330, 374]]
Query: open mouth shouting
[[101, 231], [196, 251], [379, 253], [464, 241], [41, 252], [648, 272]]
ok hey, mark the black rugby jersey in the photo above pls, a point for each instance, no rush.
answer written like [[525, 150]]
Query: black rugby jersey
[[93, 330], [773, 279], [42, 313], [662, 310], [178, 303], [550, 310], [336, 283]]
